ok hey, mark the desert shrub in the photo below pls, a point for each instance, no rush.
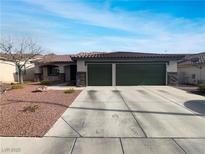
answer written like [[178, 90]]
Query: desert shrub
[[17, 86], [30, 108], [45, 82], [69, 91], [202, 87]]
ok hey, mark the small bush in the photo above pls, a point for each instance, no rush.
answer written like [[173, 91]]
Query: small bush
[[69, 91], [202, 87], [45, 82], [17, 86], [30, 108]]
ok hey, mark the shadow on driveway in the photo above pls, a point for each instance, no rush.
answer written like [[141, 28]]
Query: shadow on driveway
[[196, 105]]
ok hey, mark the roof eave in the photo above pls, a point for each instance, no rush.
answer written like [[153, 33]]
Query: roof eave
[[178, 57]]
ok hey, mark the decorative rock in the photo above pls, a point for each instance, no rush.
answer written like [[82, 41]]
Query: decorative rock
[[41, 89]]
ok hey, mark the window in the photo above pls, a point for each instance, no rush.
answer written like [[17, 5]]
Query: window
[[53, 70], [193, 76]]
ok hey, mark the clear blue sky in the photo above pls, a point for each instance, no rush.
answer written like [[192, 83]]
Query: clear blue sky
[[69, 26]]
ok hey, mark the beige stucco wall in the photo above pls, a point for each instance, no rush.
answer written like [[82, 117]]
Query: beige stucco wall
[[185, 74], [172, 66], [81, 67], [7, 71]]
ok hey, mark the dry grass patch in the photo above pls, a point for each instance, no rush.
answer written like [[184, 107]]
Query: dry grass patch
[[202, 87], [30, 108], [17, 86], [69, 91], [45, 82]]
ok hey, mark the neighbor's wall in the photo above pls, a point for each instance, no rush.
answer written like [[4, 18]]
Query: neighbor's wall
[[29, 72], [191, 74], [7, 71], [172, 77]]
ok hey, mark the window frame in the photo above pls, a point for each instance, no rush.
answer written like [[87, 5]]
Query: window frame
[[52, 70]]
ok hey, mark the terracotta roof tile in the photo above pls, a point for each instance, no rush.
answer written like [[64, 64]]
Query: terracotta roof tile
[[2, 57], [193, 59], [55, 58], [17, 56], [88, 54], [123, 55]]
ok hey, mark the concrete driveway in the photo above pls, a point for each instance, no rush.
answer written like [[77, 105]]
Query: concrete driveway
[[138, 119]]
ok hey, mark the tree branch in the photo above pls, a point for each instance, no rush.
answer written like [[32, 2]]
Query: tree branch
[[20, 51]]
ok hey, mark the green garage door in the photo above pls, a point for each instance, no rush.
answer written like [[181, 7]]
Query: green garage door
[[99, 74], [140, 74]]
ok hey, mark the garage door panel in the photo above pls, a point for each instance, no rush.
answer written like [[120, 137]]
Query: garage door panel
[[99, 74], [140, 74]]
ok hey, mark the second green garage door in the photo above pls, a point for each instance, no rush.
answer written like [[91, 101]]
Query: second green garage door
[[140, 74], [99, 74]]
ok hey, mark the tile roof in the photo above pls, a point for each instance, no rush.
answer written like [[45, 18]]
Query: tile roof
[[2, 58], [193, 59], [8, 57], [54, 58], [124, 55], [87, 54]]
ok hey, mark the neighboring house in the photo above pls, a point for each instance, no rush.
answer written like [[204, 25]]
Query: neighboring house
[[105, 68], [56, 68], [8, 70], [28, 71], [191, 69]]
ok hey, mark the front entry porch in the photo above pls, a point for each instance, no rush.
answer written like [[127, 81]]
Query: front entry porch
[[57, 73]]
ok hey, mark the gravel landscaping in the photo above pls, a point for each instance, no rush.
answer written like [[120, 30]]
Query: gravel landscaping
[[44, 108]]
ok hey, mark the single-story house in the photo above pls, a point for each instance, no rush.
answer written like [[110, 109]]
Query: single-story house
[[191, 69], [126, 68], [110, 68]]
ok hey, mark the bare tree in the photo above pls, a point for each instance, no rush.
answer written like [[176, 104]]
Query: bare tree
[[19, 51]]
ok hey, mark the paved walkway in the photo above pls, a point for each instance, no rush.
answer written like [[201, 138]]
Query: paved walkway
[[64, 88], [112, 120]]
